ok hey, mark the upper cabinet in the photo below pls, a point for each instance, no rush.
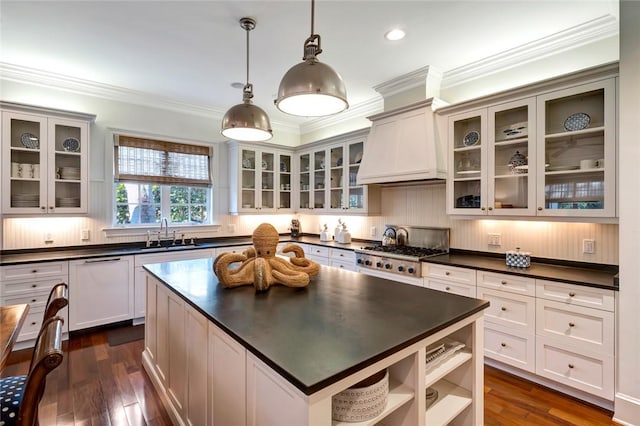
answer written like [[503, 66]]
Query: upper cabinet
[[44, 161], [260, 179], [327, 178], [552, 154]]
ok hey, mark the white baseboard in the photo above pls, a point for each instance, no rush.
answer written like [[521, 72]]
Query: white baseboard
[[627, 410]]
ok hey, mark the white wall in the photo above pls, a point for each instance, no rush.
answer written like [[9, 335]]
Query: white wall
[[627, 403]]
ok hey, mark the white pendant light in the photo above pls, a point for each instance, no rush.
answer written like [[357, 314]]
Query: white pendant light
[[311, 88], [246, 121]]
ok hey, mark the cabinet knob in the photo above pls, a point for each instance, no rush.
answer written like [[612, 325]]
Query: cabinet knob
[[33, 323], [447, 273], [34, 300], [33, 286], [503, 282], [539, 209], [447, 288], [43, 208], [482, 208], [570, 365], [572, 294], [50, 207], [33, 271], [504, 345], [503, 309], [490, 208], [571, 324]]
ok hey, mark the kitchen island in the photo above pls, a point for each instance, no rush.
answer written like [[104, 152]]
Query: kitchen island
[[231, 356]]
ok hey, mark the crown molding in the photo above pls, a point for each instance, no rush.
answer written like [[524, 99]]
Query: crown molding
[[361, 110], [410, 80], [32, 76], [597, 29]]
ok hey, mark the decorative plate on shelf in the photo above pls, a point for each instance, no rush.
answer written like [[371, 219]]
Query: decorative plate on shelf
[[561, 168], [264, 165], [283, 166], [471, 138], [577, 121], [29, 140], [71, 145]]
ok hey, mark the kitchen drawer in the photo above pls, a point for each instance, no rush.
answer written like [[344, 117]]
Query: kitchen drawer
[[349, 265], [506, 282], [451, 287], [33, 321], [576, 327], [343, 255], [36, 285], [449, 273], [34, 270], [514, 311], [33, 298], [516, 349], [588, 371], [311, 250], [576, 295], [319, 260]]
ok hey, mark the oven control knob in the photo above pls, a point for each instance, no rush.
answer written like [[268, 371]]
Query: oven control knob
[[359, 261], [367, 262], [379, 264], [411, 270], [400, 268], [388, 266]]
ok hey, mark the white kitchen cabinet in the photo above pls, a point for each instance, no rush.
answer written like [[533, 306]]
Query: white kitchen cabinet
[[31, 283], [546, 151], [44, 161], [343, 259], [101, 291], [328, 177], [140, 275], [450, 279], [260, 179]]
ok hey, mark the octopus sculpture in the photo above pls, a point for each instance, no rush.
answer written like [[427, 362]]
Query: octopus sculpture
[[260, 266]]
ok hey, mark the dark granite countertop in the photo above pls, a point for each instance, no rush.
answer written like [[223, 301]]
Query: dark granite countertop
[[591, 275], [14, 257], [341, 323]]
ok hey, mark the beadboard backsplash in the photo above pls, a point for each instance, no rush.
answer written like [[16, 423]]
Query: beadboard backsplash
[[421, 205]]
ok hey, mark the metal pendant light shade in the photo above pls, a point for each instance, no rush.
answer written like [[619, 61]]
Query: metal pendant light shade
[[246, 121], [311, 88]]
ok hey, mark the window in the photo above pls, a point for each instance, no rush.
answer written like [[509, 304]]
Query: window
[[156, 179]]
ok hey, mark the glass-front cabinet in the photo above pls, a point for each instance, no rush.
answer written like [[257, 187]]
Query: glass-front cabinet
[[577, 142], [328, 176], [44, 163], [550, 154], [260, 179]]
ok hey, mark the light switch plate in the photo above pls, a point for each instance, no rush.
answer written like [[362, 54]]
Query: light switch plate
[[588, 246], [494, 239], [84, 235]]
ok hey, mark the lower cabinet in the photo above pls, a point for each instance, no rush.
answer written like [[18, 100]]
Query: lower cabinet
[[31, 283], [101, 291], [450, 279]]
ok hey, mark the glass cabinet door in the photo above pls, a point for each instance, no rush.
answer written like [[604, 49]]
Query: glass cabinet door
[[284, 180], [512, 159], [336, 195], [25, 163], [319, 179], [356, 193], [68, 155], [467, 133], [577, 143], [304, 165], [248, 179], [267, 181]]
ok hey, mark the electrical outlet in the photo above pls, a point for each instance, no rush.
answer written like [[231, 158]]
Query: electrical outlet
[[84, 235], [494, 239], [588, 246], [373, 231], [231, 228], [48, 238]]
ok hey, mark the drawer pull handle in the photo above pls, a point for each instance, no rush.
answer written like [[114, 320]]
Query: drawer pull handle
[[504, 345], [572, 294], [447, 288], [447, 273], [570, 366], [572, 324], [115, 259], [503, 282], [503, 309]]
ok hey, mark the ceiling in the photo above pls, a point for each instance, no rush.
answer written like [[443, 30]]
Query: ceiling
[[191, 51]]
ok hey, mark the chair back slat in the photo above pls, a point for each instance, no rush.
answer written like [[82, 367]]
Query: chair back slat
[[46, 357]]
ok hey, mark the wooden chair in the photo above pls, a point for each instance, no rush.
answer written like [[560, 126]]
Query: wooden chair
[[58, 299], [20, 395]]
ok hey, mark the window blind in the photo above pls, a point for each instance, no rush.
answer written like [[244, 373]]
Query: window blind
[[149, 160]]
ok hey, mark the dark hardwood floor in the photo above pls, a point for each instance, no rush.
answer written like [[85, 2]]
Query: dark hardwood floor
[[98, 385]]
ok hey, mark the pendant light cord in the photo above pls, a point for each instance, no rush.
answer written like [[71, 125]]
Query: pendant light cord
[[313, 8], [247, 30]]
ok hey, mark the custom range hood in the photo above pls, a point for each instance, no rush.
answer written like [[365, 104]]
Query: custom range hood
[[403, 145]]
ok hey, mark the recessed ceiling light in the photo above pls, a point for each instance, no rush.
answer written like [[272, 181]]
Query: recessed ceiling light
[[394, 34]]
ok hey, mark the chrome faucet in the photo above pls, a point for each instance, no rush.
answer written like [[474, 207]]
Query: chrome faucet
[[166, 226]]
